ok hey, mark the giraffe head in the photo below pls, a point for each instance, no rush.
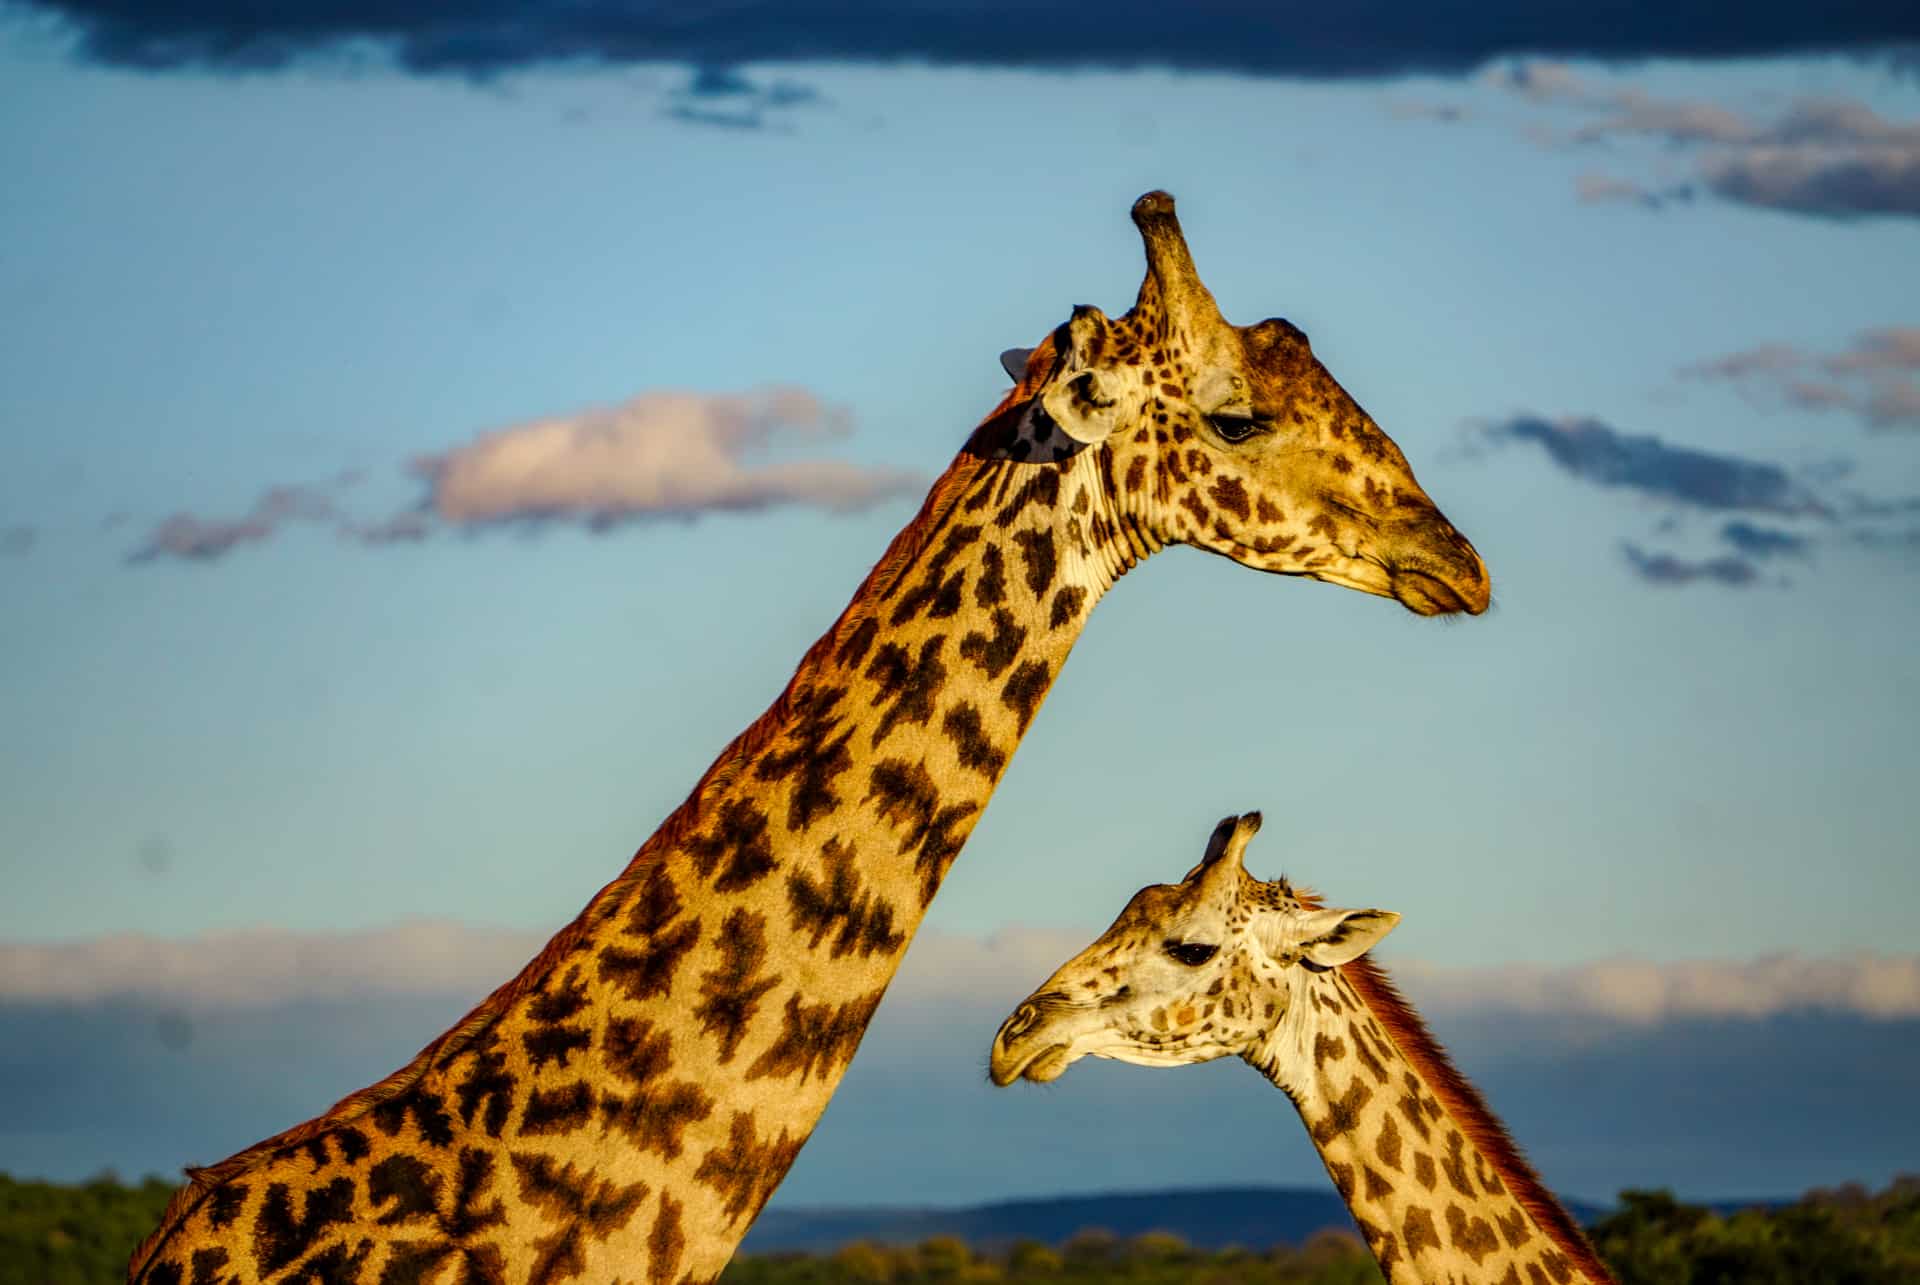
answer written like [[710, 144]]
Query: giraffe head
[[1192, 971], [1235, 439]]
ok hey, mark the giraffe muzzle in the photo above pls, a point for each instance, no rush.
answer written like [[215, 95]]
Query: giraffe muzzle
[[1022, 1049]]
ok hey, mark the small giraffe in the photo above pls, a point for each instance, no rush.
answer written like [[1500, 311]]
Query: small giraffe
[[624, 1106], [1222, 964]]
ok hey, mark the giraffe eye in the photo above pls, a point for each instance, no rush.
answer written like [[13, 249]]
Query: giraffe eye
[[1191, 953], [1235, 428]]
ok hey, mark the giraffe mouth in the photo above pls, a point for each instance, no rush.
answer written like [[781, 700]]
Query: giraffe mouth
[[1041, 1065], [1429, 595]]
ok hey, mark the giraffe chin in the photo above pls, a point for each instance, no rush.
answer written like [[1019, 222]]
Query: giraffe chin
[[1049, 1064], [1428, 595]]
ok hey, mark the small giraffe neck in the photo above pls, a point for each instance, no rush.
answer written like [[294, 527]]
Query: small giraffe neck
[[1429, 1174], [627, 1104]]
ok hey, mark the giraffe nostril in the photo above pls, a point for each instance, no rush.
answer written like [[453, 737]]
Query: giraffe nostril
[[1019, 1024]]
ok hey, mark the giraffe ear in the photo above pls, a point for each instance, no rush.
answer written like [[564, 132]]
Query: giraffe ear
[[1082, 399], [1335, 937], [1014, 362]]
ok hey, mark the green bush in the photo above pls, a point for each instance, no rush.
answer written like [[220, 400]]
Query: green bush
[[82, 1234]]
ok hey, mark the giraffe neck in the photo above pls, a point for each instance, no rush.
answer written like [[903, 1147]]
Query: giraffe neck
[[627, 1104], [1431, 1178]]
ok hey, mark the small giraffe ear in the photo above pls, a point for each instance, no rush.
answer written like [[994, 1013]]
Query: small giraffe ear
[[1082, 399], [1335, 937], [1014, 362]]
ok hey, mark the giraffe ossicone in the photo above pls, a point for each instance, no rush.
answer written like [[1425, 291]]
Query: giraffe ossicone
[[625, 1105], [1223, 964]]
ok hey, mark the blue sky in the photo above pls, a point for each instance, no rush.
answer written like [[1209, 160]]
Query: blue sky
[[215, 283]]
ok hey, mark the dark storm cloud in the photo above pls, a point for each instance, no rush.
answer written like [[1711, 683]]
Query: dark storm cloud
[[1604, 456], [1365, 37]]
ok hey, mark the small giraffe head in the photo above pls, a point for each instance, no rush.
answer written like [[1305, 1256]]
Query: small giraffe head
[[1192, 971], [1235, 439]]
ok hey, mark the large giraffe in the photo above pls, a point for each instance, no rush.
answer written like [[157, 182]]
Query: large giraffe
[[1223, 964], [624, 1107]]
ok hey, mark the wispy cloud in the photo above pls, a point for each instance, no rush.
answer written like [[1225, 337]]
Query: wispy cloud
[[1764, 542], [1370, 37], [1875, 378], [726, 97], [1828, 157], [1641, 991], [1682, 480], [426, 957], [1668, 569], [1598, 453], [201, 539], [661, 454], [1603, 189]]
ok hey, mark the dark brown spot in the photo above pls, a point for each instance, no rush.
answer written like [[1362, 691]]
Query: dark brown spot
[[994, 654], [1471, 1236], [1025, 689], [487, 1085], [816, 1037], [1066, 605], [557, 1110], [990, 590], [908, 797], [813, 747], [976, 751], [1387, 1146], [578, 1206], [1230, 495], [281, 1235], [1418, 1231], [1343, 1113], [660, 1109], [861, 921], [666, 1242], [226, 1203], [732, 989], [1423, 1171], [425, 1107], [1327, 1048], [744, 1169], [1378, 1187], [1037, 553], [853, 648], [409, 1184], [739, 836]]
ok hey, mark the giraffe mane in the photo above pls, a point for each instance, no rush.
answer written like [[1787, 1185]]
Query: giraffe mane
[[1463, 1103], [905, 547]]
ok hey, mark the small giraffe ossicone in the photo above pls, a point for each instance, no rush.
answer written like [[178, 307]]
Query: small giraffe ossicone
[[1222, 964], [623, 1108]]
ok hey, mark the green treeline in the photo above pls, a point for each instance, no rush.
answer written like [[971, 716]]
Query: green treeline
[[80, 1235]]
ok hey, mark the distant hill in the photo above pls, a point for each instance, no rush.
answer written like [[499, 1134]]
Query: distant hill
[[1209, 1218]]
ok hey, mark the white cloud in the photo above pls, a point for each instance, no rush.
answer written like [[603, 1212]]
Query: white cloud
[[267, 966], [662, 453]]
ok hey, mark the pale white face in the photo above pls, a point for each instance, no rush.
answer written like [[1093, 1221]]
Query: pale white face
[[1189, 972]]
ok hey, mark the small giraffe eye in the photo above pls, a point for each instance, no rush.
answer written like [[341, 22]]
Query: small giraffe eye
[[1191, 953], [1235, 428]]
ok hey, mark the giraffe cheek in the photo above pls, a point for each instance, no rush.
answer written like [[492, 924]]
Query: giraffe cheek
[[1186, 1015]]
